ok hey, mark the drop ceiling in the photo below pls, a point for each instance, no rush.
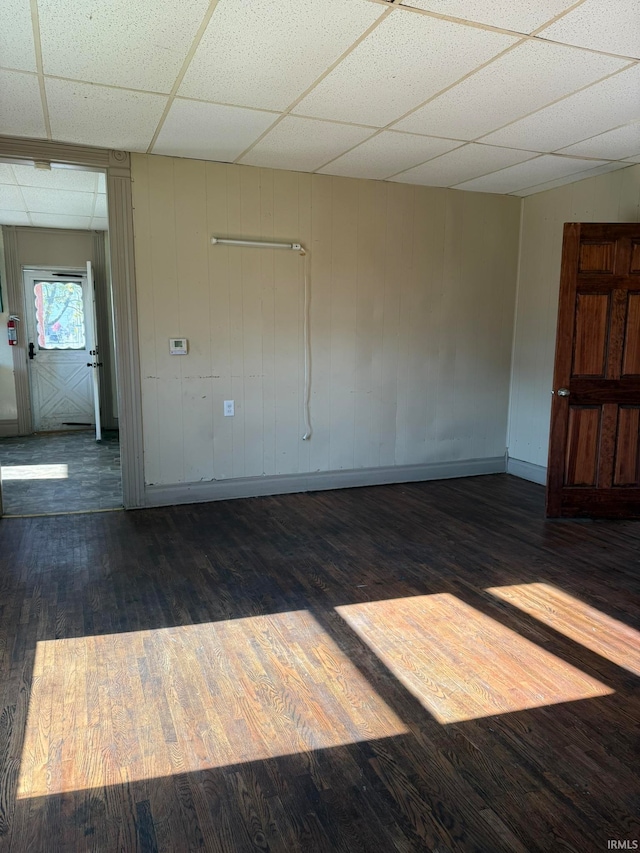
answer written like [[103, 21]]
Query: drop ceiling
[[481, 95], [52, 198]]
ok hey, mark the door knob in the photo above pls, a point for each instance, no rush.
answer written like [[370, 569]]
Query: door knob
[[32, 354], [563, 392]]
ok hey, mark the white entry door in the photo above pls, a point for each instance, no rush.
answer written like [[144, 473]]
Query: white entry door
[[60, 340]]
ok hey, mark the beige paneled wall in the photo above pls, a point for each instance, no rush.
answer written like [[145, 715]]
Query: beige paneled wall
[[613, 197], [411, 321]]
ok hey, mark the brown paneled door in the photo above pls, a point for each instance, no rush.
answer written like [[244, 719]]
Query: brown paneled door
[[594, 448]]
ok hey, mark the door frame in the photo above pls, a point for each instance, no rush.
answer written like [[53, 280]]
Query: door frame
[[117, 166]]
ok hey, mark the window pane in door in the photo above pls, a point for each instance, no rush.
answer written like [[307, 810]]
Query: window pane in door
[[59, 315]]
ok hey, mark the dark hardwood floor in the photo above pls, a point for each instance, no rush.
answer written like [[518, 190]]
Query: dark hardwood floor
[[428, 666]]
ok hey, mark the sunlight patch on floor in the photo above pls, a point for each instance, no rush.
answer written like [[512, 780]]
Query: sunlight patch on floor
[[586, 625], [117, 708], [461, 664], [34, 472]]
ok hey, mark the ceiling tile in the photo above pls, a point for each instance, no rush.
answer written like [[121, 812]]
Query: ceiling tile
[[463, 163], [570, 179], [525, 79], [6, 174], [59, 220], [14, 217], [405, 60], [41, 200], [100, 209], [20, 105], [99, 224], [265, 54], [60, 179], [303, 144], [102, 182], [614, 27], [134, 45], [546, 168], [109, 118], [387, 154], [210, 131], [603, 106], [522, 17], [618, 144], [16, 36], [11, 198]]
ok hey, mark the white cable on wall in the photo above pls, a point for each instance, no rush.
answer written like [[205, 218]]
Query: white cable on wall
[[296, 247], [307, 348]]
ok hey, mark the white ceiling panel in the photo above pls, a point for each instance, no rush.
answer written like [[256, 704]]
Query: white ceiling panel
[[569, 179], [6, 174], [462, 164], [405, 60], [265, 54], [304, 144], [100, 210], [57, 220], [109, 118], [62, 179], [21, 105], [102, 182], [613, 26], [14, 217], [523, 16], [11, 198], [134, 45], [387, 154], [42, 200], [210, 131], [618, 144], [527, 78], [543, 169], [601, 107], [16, 36], [100, 224]]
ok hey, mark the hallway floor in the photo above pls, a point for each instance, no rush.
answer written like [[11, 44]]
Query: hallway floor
[[60, 472]]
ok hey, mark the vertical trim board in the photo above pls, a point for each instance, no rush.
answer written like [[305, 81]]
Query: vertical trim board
[[15, 298]]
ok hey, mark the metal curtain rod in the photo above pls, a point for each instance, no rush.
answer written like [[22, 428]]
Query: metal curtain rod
[[255, 244]]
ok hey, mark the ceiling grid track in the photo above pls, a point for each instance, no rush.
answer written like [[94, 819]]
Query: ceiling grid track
[[35, 23], [183, 70], [315, 83]]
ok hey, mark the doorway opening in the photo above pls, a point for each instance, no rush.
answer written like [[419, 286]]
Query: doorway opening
[[67, 458]]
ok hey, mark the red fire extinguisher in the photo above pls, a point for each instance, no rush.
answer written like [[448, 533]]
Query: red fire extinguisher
[[12, 331]]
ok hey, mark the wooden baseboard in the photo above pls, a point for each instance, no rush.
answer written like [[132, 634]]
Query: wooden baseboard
[[527, 471], [250, 487], [8, 428]]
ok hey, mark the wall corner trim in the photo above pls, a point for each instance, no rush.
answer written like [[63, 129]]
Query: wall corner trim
[[527, 471], [280, 484]]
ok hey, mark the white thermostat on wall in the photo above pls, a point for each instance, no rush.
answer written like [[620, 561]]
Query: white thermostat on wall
[[178, 346]]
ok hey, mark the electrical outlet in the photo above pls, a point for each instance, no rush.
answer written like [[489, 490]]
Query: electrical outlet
[[229, 408]]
